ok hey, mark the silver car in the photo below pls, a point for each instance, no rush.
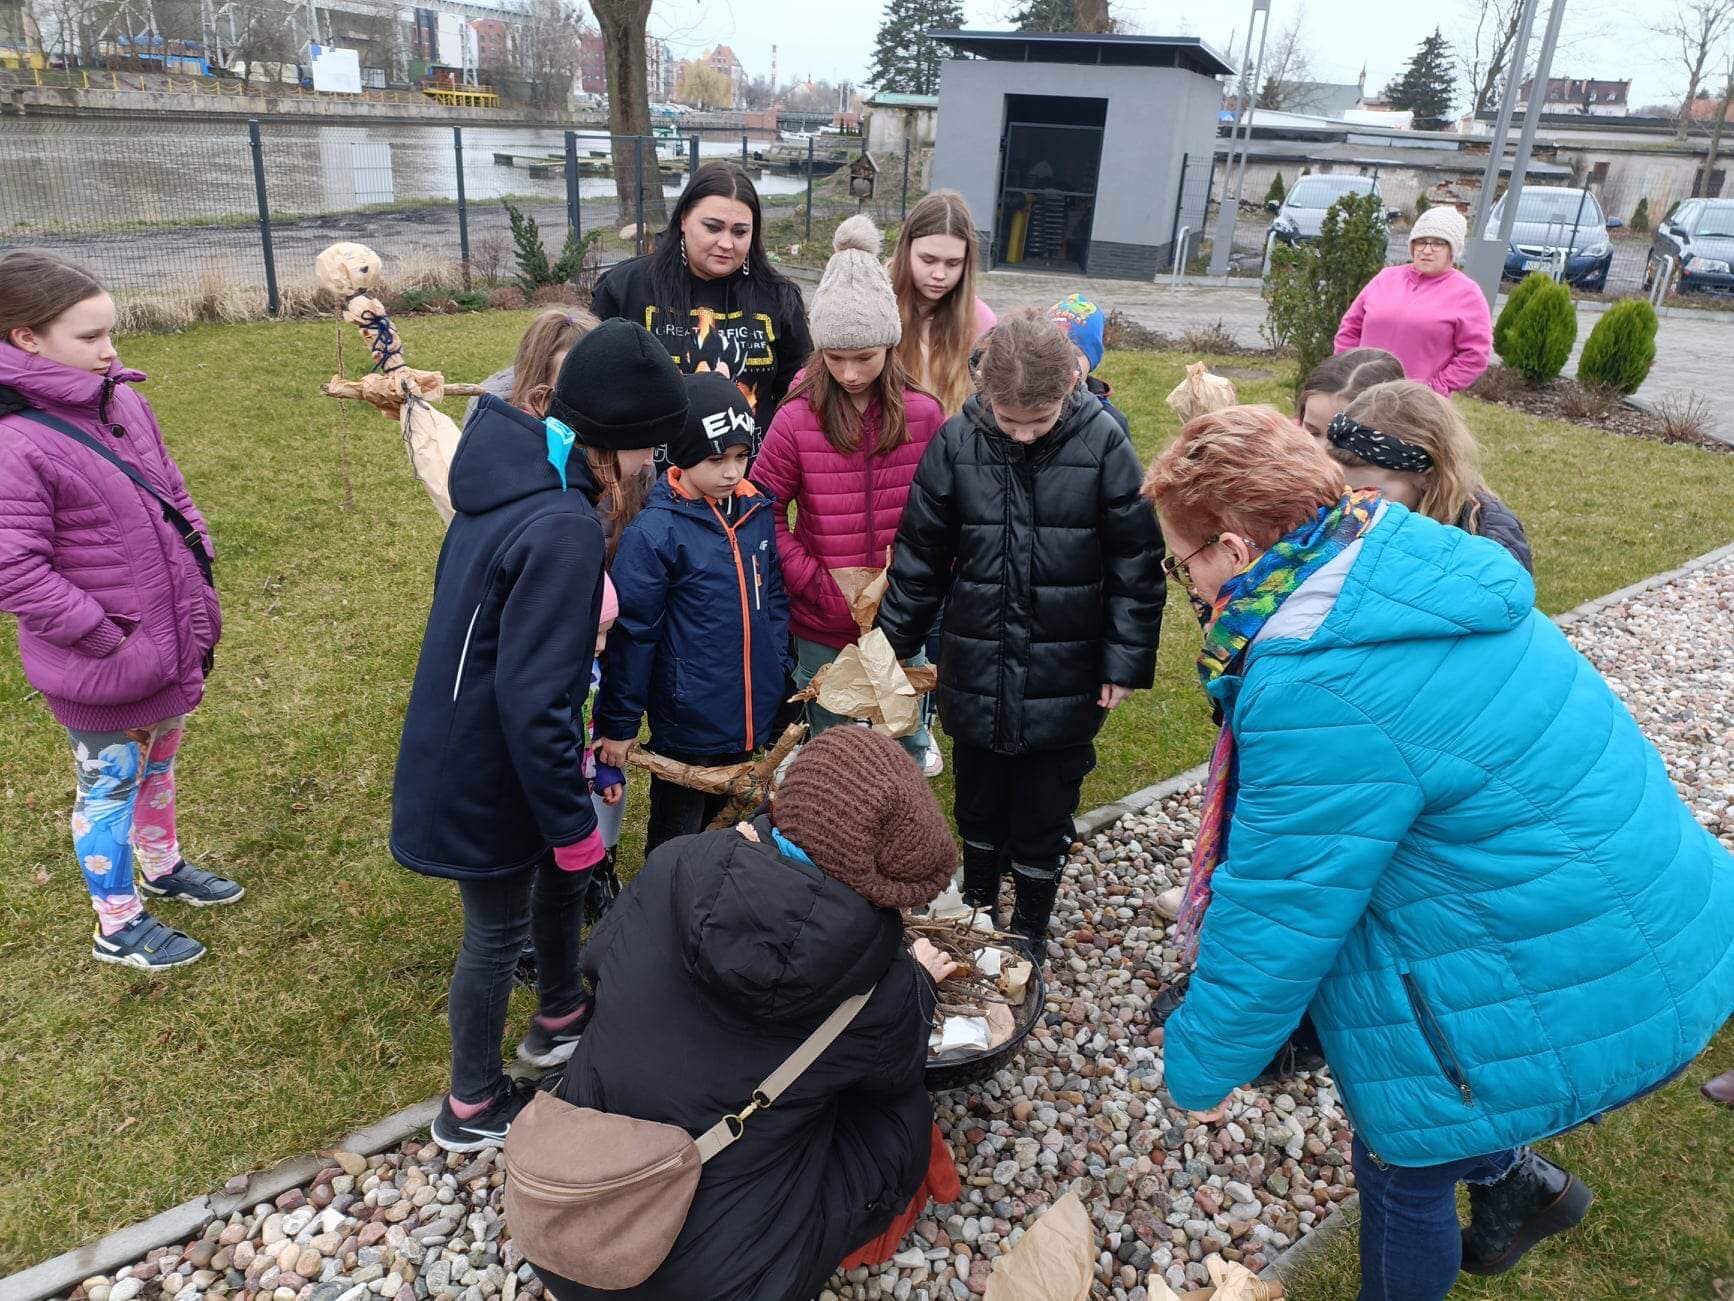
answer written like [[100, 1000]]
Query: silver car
[[1301, 214], [1699, 236]]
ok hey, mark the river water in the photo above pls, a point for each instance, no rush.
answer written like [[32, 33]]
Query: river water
[[65, 175]]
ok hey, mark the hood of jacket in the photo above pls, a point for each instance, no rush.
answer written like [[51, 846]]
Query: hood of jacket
[[668, 494], [774, 935], [43, 383], [503, 457], [1080, 408], [1406, 579]]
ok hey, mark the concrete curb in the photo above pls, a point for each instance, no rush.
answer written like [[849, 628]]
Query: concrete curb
[[1303, 1251], [124, 1246]]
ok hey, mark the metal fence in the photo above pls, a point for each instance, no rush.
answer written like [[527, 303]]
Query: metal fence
[[1191, 207], [189, 220]]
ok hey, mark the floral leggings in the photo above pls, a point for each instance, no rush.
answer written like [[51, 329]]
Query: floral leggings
[[125, 807]]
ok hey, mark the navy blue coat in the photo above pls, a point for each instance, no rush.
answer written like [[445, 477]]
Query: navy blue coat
[[490, 772], [702, 642]]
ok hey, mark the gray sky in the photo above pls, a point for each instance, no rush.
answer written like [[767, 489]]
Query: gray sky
[[1600, 38]]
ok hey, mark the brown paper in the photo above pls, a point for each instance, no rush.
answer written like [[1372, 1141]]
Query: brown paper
[[1054, 1261], [1200, 392], [866, 681], [863, 588], [1001, 1025], [1013, 980]]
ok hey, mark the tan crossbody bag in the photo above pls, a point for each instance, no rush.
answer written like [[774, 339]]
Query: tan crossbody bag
[[599, 1198]]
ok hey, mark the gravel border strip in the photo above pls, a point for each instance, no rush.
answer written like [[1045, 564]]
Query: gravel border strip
[[62, 1273]]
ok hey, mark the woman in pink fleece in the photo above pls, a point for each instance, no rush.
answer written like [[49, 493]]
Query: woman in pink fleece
[[1431, 315]]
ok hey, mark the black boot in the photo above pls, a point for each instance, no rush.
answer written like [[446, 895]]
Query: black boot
[[1535, 1200], [604, 889], [981, 880], [1302, 1052], [1033, 904]]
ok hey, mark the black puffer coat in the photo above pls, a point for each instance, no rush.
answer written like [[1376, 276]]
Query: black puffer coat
[[1049, 565], [713, 966]]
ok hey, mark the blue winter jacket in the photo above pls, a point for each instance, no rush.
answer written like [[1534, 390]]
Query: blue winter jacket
[[1452, 845], [702, 642]]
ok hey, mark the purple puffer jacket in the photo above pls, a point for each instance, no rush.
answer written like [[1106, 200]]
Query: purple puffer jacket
[[114, 618]]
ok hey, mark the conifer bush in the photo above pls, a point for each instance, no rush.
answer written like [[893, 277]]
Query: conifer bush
[[1540, 338], [1640, 221], [1277, 191], [1621, 349], [1515, 302]]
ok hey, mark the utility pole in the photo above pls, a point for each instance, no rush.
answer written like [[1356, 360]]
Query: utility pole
[[1531, 116], [1484, 257], [1229, 209]]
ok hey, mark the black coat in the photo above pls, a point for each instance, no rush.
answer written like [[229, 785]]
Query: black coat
[[754, 333], [1049, 565], [712, 967], [1489, 517], [490, 770]]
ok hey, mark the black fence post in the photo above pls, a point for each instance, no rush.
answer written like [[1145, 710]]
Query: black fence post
[[463, 205], [1180, 199], [574, 213], [809, 187], [743, 148], [638, 189], [908, 144], [692, 157], [273, 304]]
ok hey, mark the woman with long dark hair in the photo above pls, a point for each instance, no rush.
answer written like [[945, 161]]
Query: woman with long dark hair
[[709, 293]]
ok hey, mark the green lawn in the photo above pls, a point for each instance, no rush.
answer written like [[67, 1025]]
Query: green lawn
[[321, 1006]]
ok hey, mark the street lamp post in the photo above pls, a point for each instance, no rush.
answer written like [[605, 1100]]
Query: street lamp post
[[1230, 210]]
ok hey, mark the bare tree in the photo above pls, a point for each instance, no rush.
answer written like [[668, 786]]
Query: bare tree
[[622, 25], [550, 45], [1092, 15], [1695, 30], [1706, 180], [262, 34], [1485, 51], [1288, 81], [702, 85]]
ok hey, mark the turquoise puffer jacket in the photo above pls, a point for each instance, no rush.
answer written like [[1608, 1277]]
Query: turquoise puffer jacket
[[1453, 845]]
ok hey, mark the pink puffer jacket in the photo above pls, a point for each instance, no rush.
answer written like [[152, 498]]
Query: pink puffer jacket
[[847, 506], [114, 618]]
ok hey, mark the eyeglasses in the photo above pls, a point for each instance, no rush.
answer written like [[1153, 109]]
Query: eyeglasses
[[1429, 243], [1175, 567]]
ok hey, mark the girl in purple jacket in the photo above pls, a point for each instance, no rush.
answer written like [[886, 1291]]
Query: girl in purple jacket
[[106, 563]]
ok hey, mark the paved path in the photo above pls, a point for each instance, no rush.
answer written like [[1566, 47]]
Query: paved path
[[1692, 352]]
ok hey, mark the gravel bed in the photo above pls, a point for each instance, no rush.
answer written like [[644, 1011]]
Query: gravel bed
[[1082, 1108]]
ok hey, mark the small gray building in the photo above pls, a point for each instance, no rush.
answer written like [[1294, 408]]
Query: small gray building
[[1068, 147]]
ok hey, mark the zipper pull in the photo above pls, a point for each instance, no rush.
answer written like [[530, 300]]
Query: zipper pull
[[757, 604]]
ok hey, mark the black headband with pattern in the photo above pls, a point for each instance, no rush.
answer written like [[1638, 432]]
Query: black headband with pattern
[[1374, 448]]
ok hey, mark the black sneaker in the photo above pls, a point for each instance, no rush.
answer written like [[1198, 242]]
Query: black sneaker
[[604, 889], [544, 1047], [487, 1128], [1535, 1200], [147, 944], [525, 972], [187, 884]]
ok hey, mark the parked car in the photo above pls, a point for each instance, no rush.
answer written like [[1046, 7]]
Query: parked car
[[1552, 220], [1301, 214], [1699, 236]]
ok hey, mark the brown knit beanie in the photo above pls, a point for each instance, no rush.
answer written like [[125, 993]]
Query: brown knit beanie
[[857, 804]]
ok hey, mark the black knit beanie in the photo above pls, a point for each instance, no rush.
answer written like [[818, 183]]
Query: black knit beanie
[[855, 802], [619, 389], [718, 418]]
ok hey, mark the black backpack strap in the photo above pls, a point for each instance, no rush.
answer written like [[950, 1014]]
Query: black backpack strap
[[183, 527]]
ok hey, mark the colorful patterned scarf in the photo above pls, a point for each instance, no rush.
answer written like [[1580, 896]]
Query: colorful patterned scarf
[[1245, 602]]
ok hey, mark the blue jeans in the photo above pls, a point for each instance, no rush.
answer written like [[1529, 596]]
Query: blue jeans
[[1411, 1241]]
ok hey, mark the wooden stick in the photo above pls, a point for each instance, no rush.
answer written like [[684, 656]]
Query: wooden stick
[[350, 390]]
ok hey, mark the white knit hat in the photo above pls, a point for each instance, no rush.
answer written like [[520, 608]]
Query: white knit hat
[[854, 305], [1443, 222]]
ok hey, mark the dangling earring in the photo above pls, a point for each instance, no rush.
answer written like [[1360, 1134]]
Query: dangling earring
[[683, 260], [747, 266]]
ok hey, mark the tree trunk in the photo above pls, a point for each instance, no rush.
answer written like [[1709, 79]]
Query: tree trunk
[[1686, 108], [1716, 136], [623, 49]]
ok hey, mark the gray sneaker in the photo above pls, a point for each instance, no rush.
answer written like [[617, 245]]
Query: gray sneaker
[[147, 944], [190, 885]]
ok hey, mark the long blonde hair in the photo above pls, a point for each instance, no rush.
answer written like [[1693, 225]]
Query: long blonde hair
[[951, 328], [1416, 414]]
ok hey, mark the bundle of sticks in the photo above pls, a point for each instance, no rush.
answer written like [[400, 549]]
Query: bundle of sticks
[[747, 784], [970, 991]]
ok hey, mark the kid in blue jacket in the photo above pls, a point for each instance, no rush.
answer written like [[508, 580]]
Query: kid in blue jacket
[[702, 644]]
